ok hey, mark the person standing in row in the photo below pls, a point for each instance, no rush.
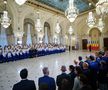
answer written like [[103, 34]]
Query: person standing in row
[[46, 82], [63, 80], [24, 84]]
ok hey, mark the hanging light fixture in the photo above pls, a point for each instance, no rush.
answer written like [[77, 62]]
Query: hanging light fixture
[[71, 12], [38, 24], [66, 37], [57, 28], [91, 20], [70, 30], [20, 2], [5, 20], [100, 24], [102, 7]]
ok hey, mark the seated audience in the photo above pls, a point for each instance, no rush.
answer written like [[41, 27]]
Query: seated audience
[[24, 84], [18, 52]]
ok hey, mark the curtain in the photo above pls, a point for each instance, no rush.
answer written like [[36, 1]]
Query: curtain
[[46, 35], [29, 39], [3, 37]]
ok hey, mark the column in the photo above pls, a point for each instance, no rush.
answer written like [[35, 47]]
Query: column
[[101, 42]]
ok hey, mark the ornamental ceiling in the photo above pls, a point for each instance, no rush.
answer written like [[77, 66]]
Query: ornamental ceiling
[[82, 5]]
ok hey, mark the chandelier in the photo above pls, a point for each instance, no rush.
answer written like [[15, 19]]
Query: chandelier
[[58, 28], [100, 24], [38, 24], [102, 7], [20, 2], [91, 20], [71, 12], [70, 30], [5, 20]]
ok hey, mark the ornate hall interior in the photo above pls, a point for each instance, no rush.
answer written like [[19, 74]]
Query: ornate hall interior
[[48, 33]]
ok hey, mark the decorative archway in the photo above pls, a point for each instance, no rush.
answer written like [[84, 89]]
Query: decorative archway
[[47, 33], [94, 38], [29, 32]]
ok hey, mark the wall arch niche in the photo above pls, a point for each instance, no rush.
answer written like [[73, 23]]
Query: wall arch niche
[[29, 32], [47, 33], [95, 35]]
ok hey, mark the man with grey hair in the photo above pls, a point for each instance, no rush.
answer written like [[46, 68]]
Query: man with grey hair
[[46, 82]]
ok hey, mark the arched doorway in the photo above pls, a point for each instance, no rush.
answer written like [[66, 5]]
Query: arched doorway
[[47, 33], [94, 38]]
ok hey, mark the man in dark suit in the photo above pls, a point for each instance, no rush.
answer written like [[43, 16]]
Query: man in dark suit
[[46, 82], [63, 80], [24, 84]]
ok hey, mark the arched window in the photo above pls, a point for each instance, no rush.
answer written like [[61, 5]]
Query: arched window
[[29, 32], [47, 33]]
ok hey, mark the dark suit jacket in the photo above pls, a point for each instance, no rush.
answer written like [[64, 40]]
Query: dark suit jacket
[[86, 87], [47, 81], [59, 81], [25, 85], [72, 77]]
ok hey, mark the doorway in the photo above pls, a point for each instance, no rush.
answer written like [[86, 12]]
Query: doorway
[[84, 44], [105, 43]]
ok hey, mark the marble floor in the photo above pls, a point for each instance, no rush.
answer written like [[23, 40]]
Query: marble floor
[[9, 72]]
